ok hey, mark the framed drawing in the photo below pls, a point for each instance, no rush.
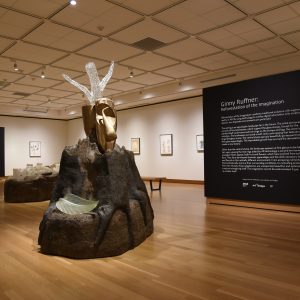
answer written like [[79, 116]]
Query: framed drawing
[[34, 149], [135, 145], [166, 144], [199, 143]]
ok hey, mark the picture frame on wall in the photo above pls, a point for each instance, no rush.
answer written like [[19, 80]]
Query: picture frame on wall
[[135, 145], [166, 144], [199, 143], [35, 149]]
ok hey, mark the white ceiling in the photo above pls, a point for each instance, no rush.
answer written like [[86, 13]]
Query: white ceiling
[[204, 42]]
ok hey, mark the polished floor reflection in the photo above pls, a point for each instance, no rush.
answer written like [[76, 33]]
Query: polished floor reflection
[[197, 251]]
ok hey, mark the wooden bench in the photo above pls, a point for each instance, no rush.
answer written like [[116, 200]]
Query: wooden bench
[[151, 179]]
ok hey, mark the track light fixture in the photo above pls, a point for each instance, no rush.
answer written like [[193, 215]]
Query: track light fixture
[[36, 109], [73, 2], [16, 67], [43, 74]]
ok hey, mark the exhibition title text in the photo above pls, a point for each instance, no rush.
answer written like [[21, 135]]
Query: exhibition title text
[[247, 103]]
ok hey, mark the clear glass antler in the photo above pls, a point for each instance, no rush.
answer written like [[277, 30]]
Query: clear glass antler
[[97, 86]]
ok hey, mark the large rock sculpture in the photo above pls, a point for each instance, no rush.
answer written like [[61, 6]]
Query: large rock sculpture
[[100, 206]]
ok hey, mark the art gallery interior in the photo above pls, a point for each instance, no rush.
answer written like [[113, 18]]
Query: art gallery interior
[[166, 52]]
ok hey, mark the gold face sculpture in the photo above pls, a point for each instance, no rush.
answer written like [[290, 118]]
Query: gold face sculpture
[[99, 117], [100, 124]]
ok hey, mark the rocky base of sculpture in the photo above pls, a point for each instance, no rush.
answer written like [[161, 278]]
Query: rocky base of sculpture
[[31, 189], [123, 218], [74, 235]]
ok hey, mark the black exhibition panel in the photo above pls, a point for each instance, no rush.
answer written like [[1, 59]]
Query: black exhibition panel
[[2, 156], [252, 139]]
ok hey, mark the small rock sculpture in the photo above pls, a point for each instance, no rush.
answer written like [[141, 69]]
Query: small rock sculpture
[[34, 172], [31, 184]]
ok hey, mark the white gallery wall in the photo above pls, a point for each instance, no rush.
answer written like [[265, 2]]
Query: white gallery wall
[[19, 131], [75, 131], [182, 119]]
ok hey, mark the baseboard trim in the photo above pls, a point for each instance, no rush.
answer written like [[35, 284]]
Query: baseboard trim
[[182, 181], [259, 205]]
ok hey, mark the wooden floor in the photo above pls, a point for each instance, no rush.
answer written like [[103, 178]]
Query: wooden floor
[[197, 251]]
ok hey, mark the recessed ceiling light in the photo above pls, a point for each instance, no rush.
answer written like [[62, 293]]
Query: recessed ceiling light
[[118, 102], [16, 67], [73, 2], [131, 74]]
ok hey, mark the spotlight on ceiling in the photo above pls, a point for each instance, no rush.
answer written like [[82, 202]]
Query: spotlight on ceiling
[[43, 74], [131, 74], [16, 67], [70, 112], [73, 2]]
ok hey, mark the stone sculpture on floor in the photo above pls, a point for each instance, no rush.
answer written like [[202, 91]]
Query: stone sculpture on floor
[[100, 206], [31, 184]]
